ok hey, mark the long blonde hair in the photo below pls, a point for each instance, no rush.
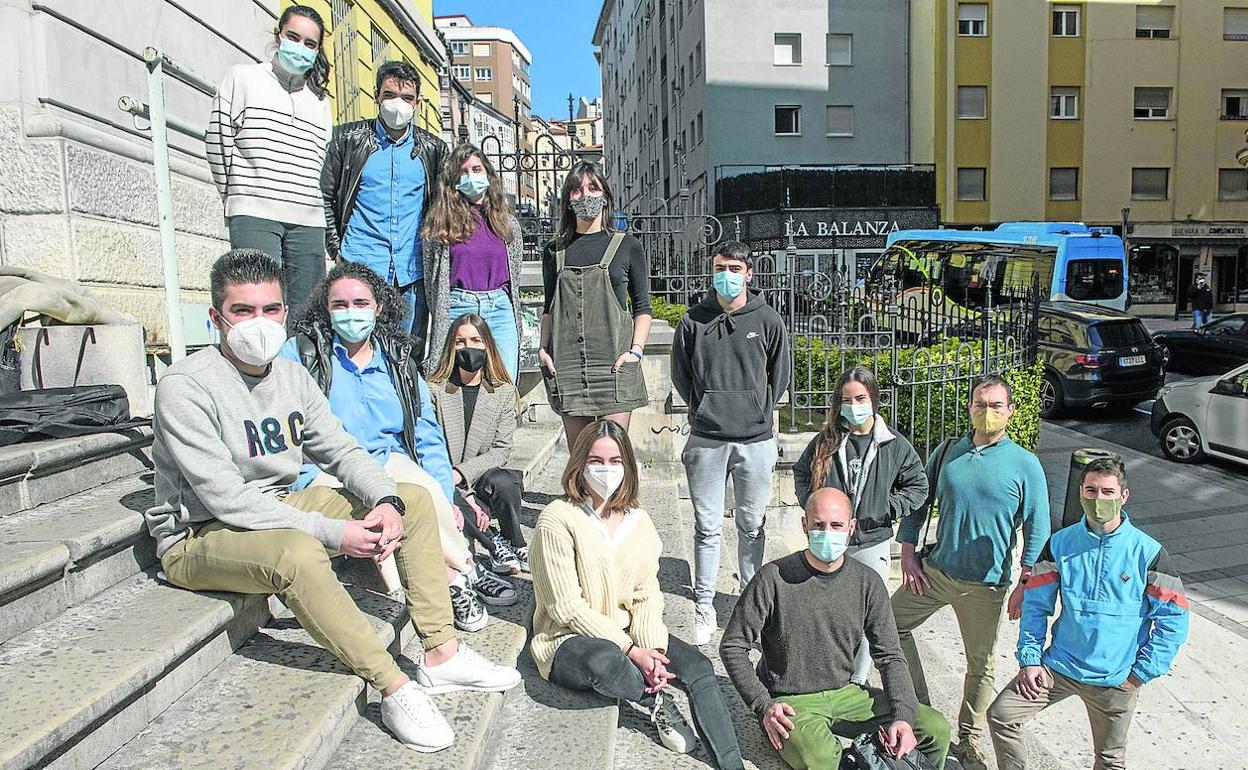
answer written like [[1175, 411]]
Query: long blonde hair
[[450, 219], [494, 371]]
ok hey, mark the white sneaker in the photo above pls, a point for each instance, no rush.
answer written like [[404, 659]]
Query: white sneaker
[[704, 624], [674, 731], [415, 721], [465, 671]]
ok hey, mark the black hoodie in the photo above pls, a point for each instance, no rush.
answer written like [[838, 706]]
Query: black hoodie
[[731, 368]]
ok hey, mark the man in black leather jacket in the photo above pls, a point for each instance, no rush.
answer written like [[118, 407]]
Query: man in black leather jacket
[[386, 233]]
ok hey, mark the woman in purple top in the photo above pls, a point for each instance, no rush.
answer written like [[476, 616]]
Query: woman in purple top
[[472, 252]]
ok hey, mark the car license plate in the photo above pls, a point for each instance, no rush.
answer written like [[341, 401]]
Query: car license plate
[[1131, 361]]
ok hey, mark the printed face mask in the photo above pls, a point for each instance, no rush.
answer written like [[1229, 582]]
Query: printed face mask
[[587, 207], [354, 323], [728, 285], [989, 421], [473, 185], [256, 341], [295, 58], [826, 545], [857, 414], [395, 113], [1101, 509], [604, 479], [470, 359]]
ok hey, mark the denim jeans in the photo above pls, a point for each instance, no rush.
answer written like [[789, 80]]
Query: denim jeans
[[877, 558], [499, 314], [587, 663], [1201, 318], [413, 296]]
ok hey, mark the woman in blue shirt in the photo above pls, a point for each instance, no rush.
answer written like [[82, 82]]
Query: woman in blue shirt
[[350, 340]]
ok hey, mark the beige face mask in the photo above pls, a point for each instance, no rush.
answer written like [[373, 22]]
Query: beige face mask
[[989, 421], [1101, 509]]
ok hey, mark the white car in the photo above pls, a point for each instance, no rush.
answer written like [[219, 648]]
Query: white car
[[1204, 417]]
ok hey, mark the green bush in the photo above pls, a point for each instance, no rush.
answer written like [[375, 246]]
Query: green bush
[[668, 311]]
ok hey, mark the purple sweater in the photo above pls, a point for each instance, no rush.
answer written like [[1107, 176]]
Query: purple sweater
[[479, 263]]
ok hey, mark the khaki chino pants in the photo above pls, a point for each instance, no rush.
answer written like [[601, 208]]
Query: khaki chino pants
[[295, 566]]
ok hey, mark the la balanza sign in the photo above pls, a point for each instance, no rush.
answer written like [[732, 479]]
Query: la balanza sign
[[842, 227]]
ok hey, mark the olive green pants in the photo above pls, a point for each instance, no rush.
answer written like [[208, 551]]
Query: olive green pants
[[849, 712], [295, 566]]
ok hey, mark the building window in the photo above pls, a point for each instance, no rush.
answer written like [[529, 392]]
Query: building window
[[788, 120], [462, 71], [971, 184], [488, 98], [1150, 184], [1066, 21], [1063, 184], [787, 49], [699, 131], [481, 50], [1152, 103], [972, 19], [482, 73], [1234, 104], [1064, 103], [840, 120], [1235, 24], [840, 50], [972, 102], [1154, 21], [697, 50], [1232, 184], [459, 48]]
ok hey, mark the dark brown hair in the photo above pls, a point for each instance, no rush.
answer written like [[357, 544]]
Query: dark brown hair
[[494, 371], [318, 76], [450, 217], [574, 486], [835, 427], [1105, 466], [567, 218], [993, 381]]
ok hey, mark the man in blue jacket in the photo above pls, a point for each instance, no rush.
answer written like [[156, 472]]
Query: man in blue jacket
[[1124, 616]]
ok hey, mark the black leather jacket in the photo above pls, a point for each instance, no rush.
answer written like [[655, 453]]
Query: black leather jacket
[[348, 150], [404, 370]]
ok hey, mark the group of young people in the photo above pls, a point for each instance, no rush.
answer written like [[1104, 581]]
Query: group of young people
[[332, 430]]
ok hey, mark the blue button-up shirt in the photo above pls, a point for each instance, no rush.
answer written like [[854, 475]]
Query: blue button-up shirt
[[365, 402], [384, 229]]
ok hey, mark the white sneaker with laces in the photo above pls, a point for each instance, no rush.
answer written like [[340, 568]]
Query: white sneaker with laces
[[410, 715], [674, 731], [704, 625], [467, 670]]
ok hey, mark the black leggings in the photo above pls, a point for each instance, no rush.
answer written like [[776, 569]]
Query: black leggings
[[597, 665], [500, 491]]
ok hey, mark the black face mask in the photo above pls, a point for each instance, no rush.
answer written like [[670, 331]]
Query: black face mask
[[470, 359]]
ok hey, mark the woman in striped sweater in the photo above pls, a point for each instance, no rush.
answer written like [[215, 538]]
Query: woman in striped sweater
[[598, 620], [265, 145]]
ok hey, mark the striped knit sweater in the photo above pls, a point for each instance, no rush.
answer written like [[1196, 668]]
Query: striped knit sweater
[[588, 587], [266, 144]]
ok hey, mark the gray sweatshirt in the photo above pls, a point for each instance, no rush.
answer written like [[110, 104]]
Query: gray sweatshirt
[[808, 625], [228, 446]]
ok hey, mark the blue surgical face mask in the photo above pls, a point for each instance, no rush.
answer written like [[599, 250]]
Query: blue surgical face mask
[[473, 185], [857, 414], [353, 324], [826, 545], [295, 58], [729, 285]]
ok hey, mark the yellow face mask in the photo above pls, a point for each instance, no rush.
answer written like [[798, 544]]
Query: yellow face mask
[[1101, 509], [989, 421]]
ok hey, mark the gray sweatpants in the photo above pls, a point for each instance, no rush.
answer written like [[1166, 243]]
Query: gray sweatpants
[[708, 464], [877, 558]]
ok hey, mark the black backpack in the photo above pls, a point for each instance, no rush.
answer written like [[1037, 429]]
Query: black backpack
[[867, 754], [30, 415]]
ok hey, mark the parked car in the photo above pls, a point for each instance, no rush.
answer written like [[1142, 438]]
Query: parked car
[[1204, 417], [1095, 357], [1213, 349]]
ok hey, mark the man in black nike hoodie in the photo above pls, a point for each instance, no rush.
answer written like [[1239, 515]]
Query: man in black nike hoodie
[[730, 362]]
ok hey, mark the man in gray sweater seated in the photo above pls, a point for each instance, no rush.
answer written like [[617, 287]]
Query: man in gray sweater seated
[[807, 613], [233, 423]]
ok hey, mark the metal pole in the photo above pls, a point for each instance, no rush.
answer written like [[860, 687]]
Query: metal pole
[[164, 202]]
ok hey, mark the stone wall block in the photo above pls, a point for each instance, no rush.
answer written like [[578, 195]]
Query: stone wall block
[[146, 305], [39, 243], [197, 208], [31, 178], [109, 252], [110, 187]]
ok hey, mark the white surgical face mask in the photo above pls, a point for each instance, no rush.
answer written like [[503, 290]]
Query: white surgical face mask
[[604, 479], [256, 341], [395, 113]]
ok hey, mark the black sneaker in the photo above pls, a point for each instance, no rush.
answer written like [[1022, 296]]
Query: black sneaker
[[494, 590], [523, 555], [504, 560], [470, 614]]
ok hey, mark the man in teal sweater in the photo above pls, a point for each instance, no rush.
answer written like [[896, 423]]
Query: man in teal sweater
[[986, 487]]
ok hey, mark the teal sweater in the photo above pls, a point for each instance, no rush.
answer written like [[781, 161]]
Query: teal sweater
[[986, 494]]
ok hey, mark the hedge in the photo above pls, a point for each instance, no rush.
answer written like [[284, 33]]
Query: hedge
[[925, 413]]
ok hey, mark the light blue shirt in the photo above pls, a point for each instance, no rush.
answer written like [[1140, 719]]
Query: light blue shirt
[[366, 403], [384, 230]]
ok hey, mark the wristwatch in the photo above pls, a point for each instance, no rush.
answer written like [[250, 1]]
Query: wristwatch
[[396, 501]]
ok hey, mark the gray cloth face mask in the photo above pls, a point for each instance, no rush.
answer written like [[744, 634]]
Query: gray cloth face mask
[[587, 207]]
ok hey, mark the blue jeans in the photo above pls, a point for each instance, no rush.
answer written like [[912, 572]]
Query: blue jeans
[[499, 314], [1201, 317], [413, 296]]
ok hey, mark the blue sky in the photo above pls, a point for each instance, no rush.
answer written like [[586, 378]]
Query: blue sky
[[559, 34]]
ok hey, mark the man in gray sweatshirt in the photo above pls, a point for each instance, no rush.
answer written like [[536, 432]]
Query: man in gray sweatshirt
[[807, 614], [730, 362], [232, 425]]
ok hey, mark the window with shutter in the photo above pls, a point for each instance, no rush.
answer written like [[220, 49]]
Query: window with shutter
[[1152, 103], [972, 102], [1154, 21], [1235, 24], [840, 120]]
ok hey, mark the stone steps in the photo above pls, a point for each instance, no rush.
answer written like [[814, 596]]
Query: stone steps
[[39, 472]]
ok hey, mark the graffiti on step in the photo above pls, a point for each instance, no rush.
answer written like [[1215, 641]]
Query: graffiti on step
[[680, 430]]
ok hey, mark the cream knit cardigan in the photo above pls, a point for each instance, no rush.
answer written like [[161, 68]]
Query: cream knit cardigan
[[586, 586]]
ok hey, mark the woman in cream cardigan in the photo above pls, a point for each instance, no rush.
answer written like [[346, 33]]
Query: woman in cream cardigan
[[598, 619]]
